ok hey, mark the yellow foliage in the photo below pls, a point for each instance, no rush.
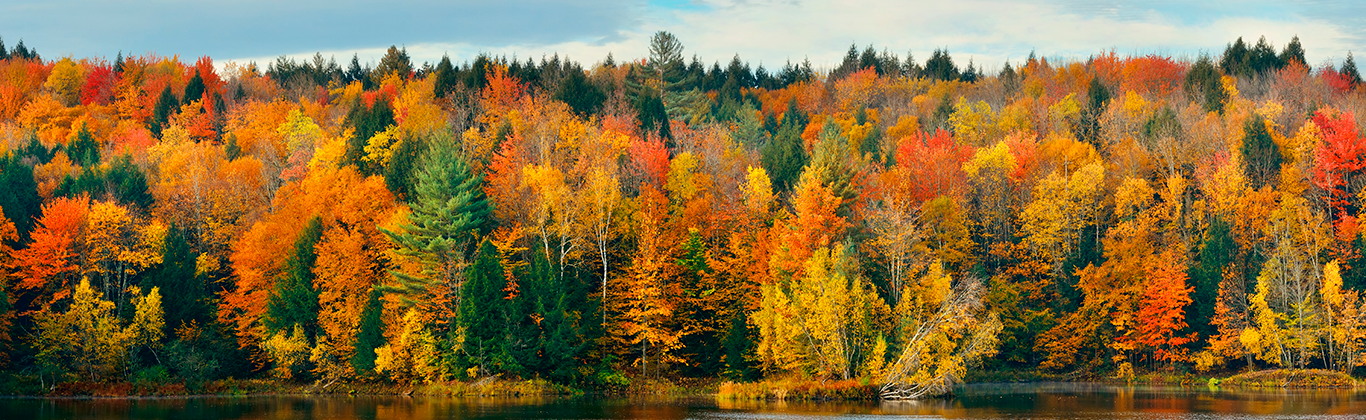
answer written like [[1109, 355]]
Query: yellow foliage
[[997, 157], [65, 81]]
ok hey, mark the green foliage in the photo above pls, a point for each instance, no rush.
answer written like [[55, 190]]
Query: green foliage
[[367, 121], [739, 350], [194, 89], [1261, 155], [449, 210], [654, 119], [369, 334], [19, 198], [940, 66], [395, 60], [166, 106], [84, 150], [122, 182], [784, 156], [398, 176], [1204, 85], [294, 300], [1216, 254], [445, 77], [584, 97], [186, 298], [482, 310]]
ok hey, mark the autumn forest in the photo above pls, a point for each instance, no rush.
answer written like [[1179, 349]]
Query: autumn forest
[[887, 221]]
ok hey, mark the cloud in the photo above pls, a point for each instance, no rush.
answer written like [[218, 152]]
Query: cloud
[[249, 28]]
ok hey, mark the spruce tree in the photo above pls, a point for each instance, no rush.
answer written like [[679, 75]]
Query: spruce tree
[[445, 77], [18, 195], [481, 309], [194, 89], [449, 210], [161, 113], [1349, 70], [369, 334], [1261, 155], [183, 292], [83, 150], [294, 300]]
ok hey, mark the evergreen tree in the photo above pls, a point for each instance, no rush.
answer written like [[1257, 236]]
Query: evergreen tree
[[161, 113], [83, 150], [1261, 155], [398, 176], [18, 195], [739, 348], [294, 300], [1349, 70], [367, 121], [449, 210], [1293, 52], [184, 295], [580, 94], [1216, 253], [784, 156], [194, 89], [653, 117], [369, 334], [1203, 84], [395, 60], [940, 66], [445, 77], [481, 310], [1235, 59], [4, 54]]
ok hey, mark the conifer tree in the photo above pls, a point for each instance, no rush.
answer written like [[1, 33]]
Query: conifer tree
[[369, 335], [294, 301], [449, 210], [481, 310]]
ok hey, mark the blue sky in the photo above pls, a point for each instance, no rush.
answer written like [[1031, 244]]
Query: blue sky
[[770, 32]]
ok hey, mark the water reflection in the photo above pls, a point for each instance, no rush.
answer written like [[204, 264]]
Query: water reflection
[[990, 401]]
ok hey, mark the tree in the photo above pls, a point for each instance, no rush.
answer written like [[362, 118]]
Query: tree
[[19, 198], [161, 114], [87, 340], [943, 329], [370, 334], [187, 298], [449, 210], [1162, 315], [1204, 85], [940, 66], [482, 311], [293, 302], [1261, 155], [394, 61]]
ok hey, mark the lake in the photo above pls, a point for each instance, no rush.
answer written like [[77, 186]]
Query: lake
[[981, 401]]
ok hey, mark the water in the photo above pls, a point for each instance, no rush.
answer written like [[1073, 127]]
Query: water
[[1012, 401]]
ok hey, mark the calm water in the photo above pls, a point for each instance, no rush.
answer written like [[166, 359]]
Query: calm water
[[1015, 401]]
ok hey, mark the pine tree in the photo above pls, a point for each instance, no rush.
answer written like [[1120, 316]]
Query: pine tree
[[19, 194], [369, 334], [445, 77], [194, 89], [1349, 70], [449, 210], [83, 150], [294, 301], [481, 310], [1293, 52], [185, 298], [161, 114]]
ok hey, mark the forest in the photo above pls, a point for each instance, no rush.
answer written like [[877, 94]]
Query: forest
[[886, 221]]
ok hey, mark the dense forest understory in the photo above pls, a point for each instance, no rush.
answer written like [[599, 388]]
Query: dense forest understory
[[881, 227]]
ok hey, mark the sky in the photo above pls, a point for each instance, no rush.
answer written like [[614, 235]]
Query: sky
[[768, 32]]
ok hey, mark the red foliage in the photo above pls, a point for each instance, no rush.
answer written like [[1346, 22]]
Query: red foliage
[[649, 160], [1340, 156], [99, 86], [932, 166]]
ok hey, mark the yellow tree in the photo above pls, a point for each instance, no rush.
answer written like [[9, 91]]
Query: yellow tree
[[826, 321], [647, 292], [1344, 321], [88, 339], [1063, 206], [943, 329]]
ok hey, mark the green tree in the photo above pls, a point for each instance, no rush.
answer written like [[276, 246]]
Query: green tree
[[395, 60], [445, 76], [18, 195], [194, 89], [482, 312], [294, 300], [1293, 52], [369, 335], [161, 113], [449, 210], [84, 150], [1261, 155], [1204, 85], [940, 66], [784, 156], [186, 300]]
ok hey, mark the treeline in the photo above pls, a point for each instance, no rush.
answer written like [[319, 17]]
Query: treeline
[[883, 220]]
